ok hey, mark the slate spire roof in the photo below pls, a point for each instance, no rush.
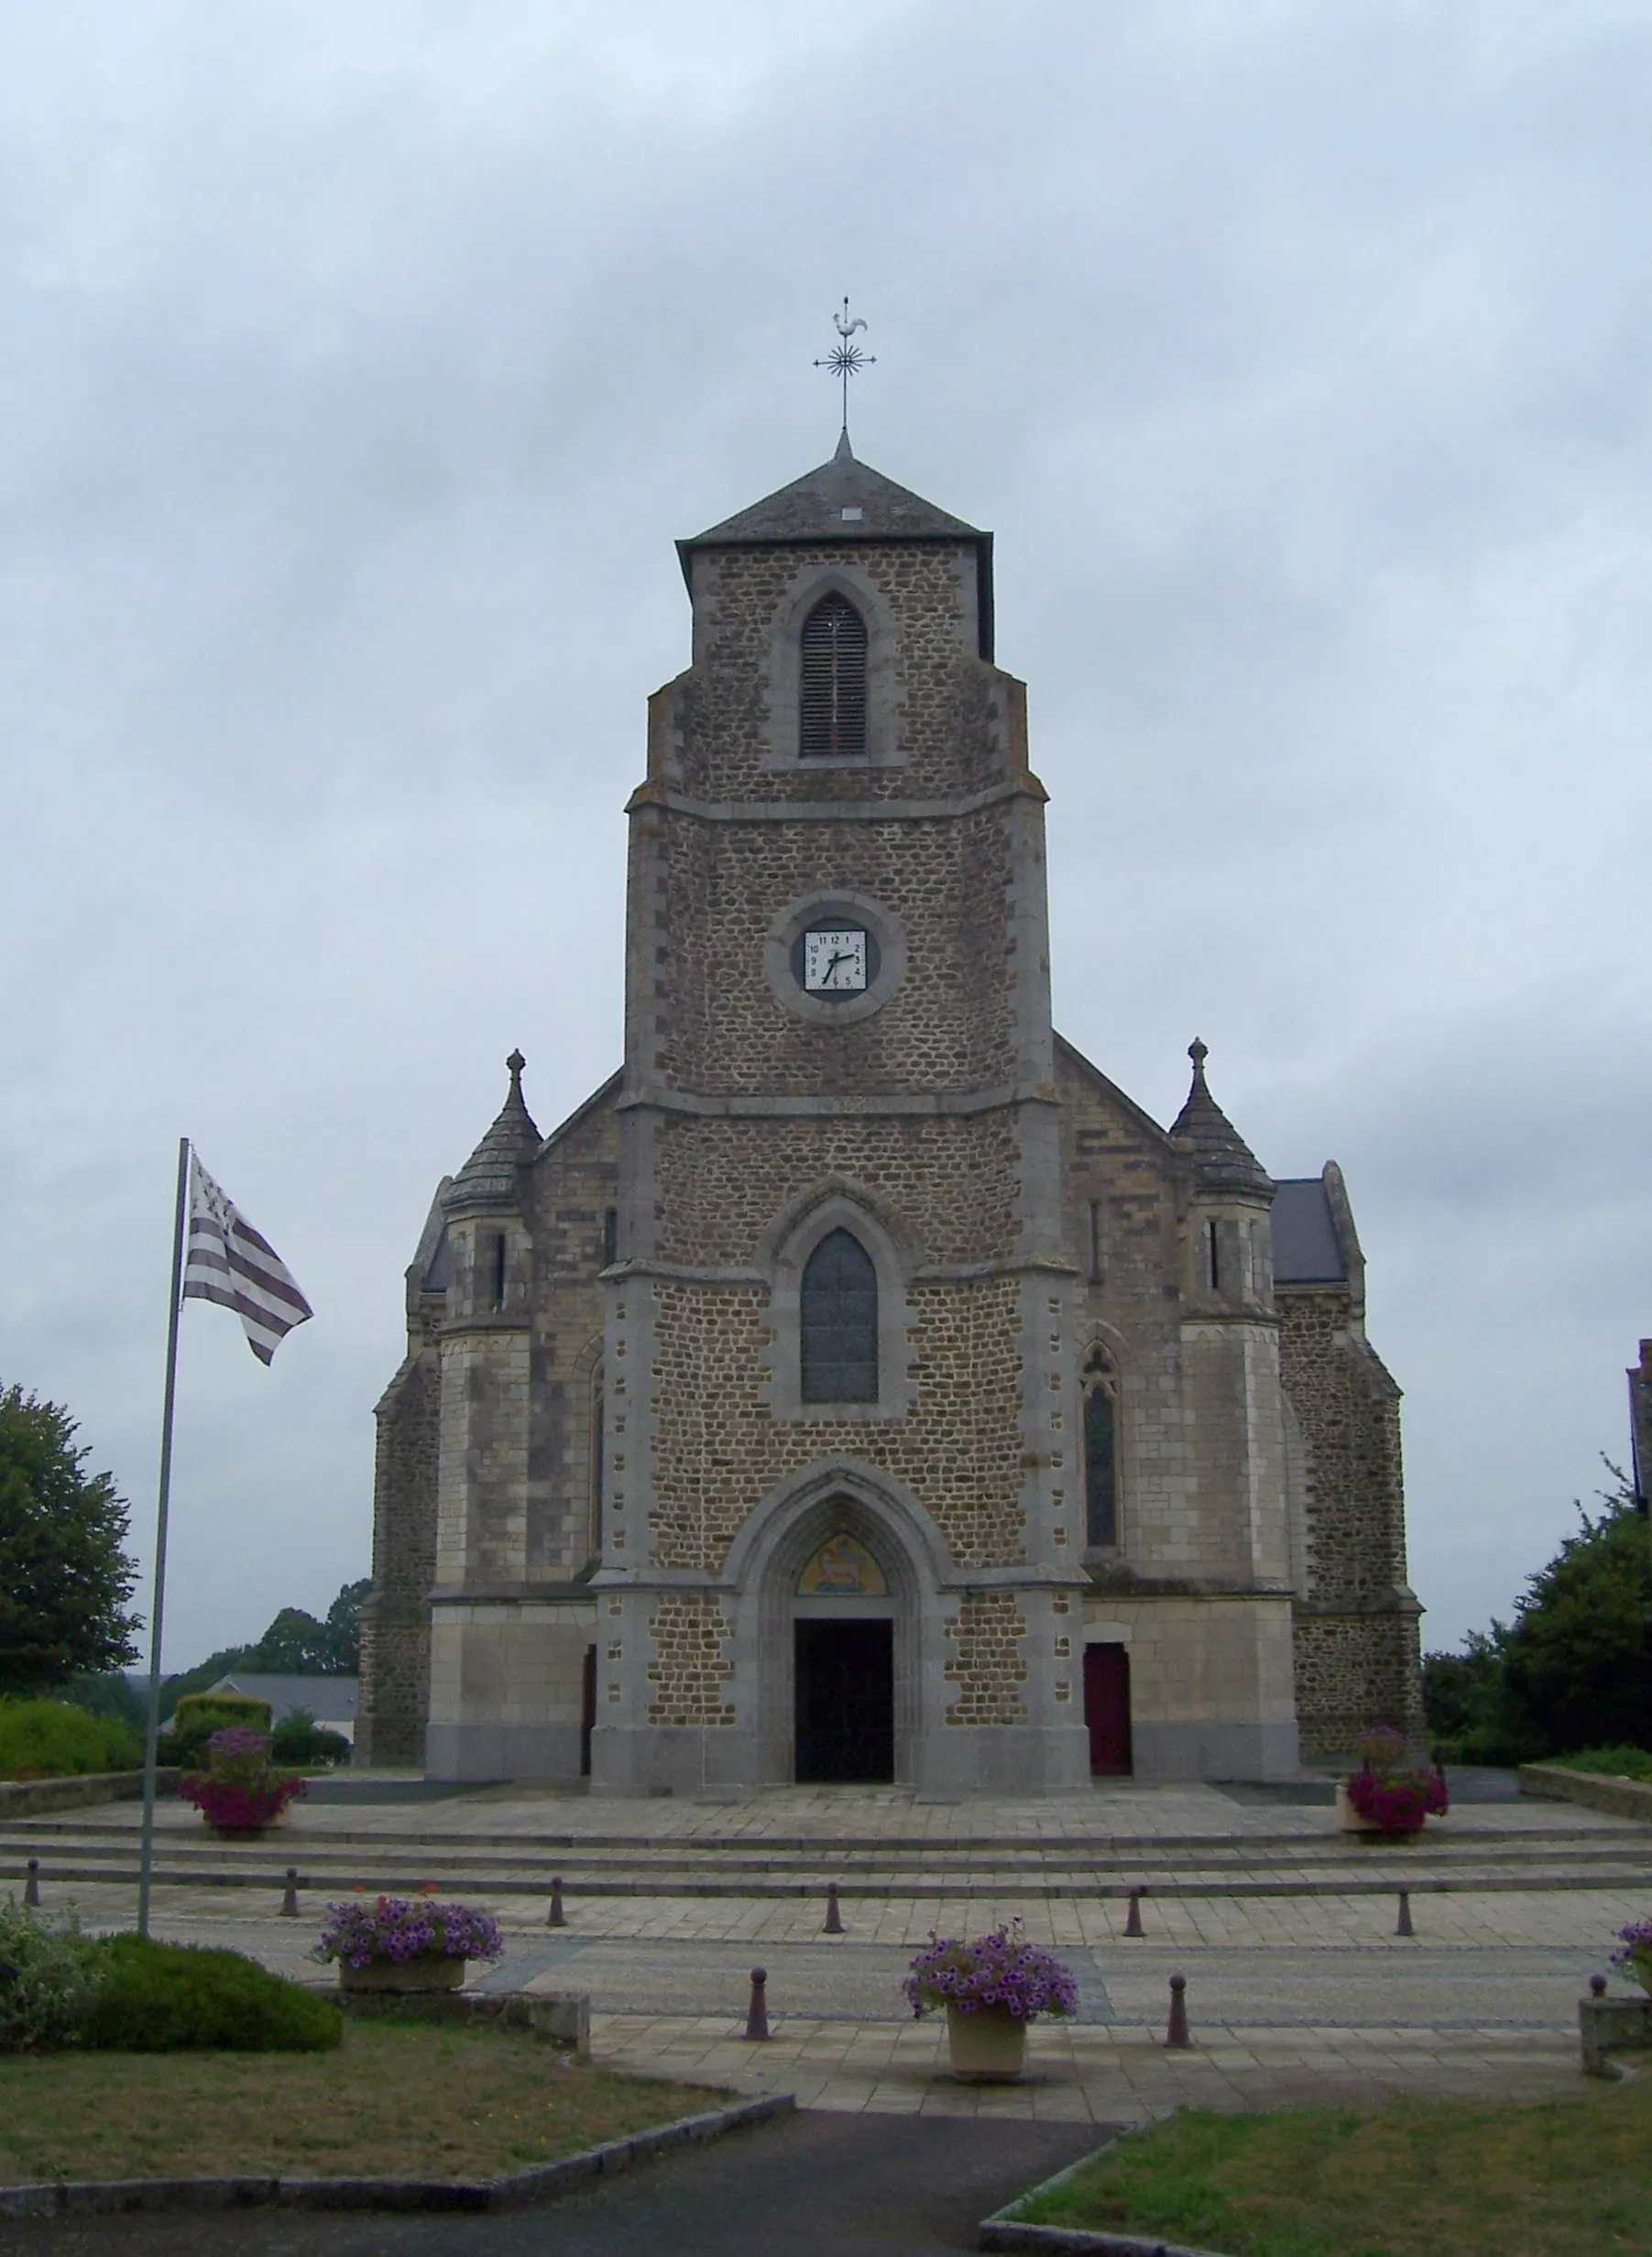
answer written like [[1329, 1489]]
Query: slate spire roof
[[813, 509], [1222, 1161], [488, 1178]]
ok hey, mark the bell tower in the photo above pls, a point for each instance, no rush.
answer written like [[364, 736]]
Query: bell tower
[[840, 1374]]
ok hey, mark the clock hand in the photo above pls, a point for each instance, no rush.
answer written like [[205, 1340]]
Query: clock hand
[[842, 957]]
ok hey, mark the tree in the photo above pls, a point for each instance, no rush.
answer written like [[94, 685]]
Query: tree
[[1573, 1669], [1575, 1657], [64, 1578], [344, 1626]]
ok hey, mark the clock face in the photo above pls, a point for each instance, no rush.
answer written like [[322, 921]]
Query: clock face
[[836, 961]]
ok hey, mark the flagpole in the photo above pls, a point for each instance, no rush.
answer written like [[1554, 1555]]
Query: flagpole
[[152, 1727]]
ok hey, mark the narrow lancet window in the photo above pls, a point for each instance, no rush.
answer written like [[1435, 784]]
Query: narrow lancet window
[[839, 1323], [1100, 1456], [833, 682]]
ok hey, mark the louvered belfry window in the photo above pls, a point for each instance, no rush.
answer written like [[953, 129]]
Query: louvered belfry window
[[839, 1323], [833, 698]]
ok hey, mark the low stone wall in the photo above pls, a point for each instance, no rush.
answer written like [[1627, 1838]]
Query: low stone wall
[[1624, 1798], [26, 1798]]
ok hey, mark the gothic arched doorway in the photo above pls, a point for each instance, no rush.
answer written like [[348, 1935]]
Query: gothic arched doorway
[[843, 1667]]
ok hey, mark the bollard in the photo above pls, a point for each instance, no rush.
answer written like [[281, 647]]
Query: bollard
[[1402, 1926], [834, 1918], [1133, 1919], [32, 1887], [757, 2014], [289, 1902], [556, 1917], [1176, 2035]]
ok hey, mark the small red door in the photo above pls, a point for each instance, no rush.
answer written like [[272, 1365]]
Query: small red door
[[1107, 1709]]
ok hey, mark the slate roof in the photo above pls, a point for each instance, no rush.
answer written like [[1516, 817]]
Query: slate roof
[[1222, 1161], [812, 508], [1307, 1250], [846, 500], [488, 1178]]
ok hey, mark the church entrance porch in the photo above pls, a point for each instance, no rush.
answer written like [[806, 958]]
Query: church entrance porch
[[844, 1692]]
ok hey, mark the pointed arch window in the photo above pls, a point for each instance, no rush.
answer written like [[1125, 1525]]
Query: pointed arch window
[[1101, 1453], [832, 689], [838, 1322]]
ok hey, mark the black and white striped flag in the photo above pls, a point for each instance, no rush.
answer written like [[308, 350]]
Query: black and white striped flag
[[232, 1264]]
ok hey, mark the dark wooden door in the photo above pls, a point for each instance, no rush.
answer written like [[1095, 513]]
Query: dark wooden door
[[1107, 1709], [587, 1710], [845, 1701]]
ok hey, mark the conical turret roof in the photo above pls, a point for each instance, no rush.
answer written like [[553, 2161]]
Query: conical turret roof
[[488, 1178], [1222, 1161]]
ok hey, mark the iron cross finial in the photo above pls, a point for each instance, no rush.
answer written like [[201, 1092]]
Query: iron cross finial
[[846, 358]]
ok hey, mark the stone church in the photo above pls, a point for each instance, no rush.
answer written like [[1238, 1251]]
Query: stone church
[[859, 1385]]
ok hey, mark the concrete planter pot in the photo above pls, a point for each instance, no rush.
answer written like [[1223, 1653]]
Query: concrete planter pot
[[987, 2048], [435, 1971], [248, 1833]]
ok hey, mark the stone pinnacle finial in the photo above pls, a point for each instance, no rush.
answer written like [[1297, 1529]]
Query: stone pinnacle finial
[[515, 1063], [1198, 1052]]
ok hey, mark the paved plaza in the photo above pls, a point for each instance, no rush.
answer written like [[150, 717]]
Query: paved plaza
[[1299, 1986]]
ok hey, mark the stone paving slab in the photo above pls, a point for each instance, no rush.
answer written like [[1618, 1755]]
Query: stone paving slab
[[1575, 1920], [1099, 2075], [1127, 1812]]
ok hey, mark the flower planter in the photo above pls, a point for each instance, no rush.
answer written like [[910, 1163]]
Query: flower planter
[[437, 1971], [1350, 1821], [988, 2047]]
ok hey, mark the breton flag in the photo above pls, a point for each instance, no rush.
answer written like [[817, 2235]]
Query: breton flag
[[232, 1264]]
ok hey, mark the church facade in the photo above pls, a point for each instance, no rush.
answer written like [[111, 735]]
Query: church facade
[[859, 1385]]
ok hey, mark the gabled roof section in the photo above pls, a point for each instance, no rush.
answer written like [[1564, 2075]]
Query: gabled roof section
[[1068, 1053], [1222, 1161], [488, 1178], [597, 1098], [846, 500]]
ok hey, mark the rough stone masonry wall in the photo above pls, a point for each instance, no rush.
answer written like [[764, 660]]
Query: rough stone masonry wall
[[689, 1665], [944, 691], [574, 1184], [718, 1451], [396, 1620], [950, 1185], [990, 1667], [946, 1027], [1356, 1641]]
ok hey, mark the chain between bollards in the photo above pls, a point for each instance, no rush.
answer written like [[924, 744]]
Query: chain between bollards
[[834, 1918], [556, 1917], [1133, 1919], [1177, 2035], [1402, 1926], [289, 1902], [757, 2014], [32, 1887]]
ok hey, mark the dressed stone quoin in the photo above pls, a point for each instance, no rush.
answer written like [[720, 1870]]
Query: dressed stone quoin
[[859, 1385]]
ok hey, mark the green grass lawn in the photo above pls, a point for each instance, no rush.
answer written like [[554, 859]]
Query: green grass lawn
[[397, 2100], [1418, 2178]]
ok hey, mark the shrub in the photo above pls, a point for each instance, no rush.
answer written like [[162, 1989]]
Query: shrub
[[1614, 1762], [53, 1740], [198, 1715], [297, 1738], [48, 1978], [166, 1997]]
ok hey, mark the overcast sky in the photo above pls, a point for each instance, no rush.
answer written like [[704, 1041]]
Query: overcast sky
[[361, 364]]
